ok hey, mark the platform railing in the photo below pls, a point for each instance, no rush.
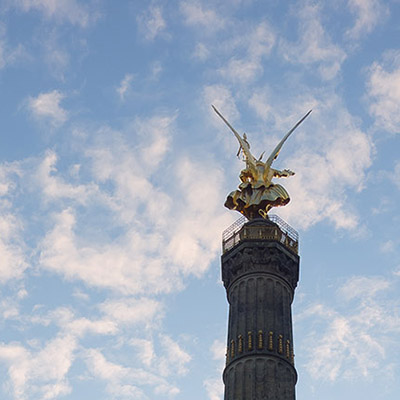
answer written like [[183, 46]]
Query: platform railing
[[282, 232]]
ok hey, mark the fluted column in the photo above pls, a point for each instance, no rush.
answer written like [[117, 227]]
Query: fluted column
[[260, 274]]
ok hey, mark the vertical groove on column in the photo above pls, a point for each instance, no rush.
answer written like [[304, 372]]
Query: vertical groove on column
[[238, 384], [241, 307], [268, 308], [251, 303], [259, 377]]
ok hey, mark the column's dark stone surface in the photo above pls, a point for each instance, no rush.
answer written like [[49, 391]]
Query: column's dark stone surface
[[260, 273]]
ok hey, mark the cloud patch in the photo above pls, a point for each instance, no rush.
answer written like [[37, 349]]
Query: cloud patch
[[151, 23], [383, 91], [46, 106], [352, 340], [71, 11], [314, 48], [368, 14]]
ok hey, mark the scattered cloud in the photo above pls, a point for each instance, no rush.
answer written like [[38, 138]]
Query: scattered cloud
[[388, 246], [55, 53], [353, 343], [195, 14], [215, 386], [151, 23], [47, 106], [42, 373], [41, 370], [260, 103], [256, 43], [315, 47], [125, 185], [218, 350], [122, 381], [61, 10], [383, 91], [201, 52], [131, 311], [175, 359], [221, 97], [124, 86], [329, 163], [54, 187], [9, 56], [156, 70], [360, 287], [145, 350], [13, 260], [368, 13]]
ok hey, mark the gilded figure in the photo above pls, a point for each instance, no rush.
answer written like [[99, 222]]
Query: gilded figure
[[256, 193]]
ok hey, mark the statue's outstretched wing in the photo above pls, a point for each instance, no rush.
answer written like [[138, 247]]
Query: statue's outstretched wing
[[243, 144], [277, 149]]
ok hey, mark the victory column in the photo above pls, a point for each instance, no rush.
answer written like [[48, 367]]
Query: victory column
[[260, 271]]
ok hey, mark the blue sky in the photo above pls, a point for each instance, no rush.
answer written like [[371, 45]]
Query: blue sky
[[114, 170]]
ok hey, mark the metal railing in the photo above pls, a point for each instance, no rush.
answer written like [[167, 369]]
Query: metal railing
[[237, 232]]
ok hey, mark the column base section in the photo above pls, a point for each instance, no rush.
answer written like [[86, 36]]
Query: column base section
[[260, 378]]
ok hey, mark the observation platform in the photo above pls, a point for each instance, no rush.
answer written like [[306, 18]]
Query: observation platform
[[271, 228]]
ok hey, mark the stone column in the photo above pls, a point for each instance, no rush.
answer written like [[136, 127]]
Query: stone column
[[260, 273]]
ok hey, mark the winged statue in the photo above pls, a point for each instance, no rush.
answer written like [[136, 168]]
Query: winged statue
[[256, 194]]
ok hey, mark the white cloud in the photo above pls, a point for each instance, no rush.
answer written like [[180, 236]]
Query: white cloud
[[368, 14], [362, 287], [125, 266], [168, 213], [151, 23], [41, 370], [214, 388], [388, 246], [196, 15], [9, 56], [314, 48], [221, 97], [175, 359], [47, 105], [124, 86], [218, 350], [241, 69], [353, 343], [130, 311], [201, 52], [122, 381], [42, 373], [145, 350], [55, 187], [156, 70], [331, 158], [256, 44], [13, 261], [55, 53], [383, 90], [260, 102], [60, 10]]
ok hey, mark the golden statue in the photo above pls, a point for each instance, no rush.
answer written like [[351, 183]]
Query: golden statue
[[257, 194]]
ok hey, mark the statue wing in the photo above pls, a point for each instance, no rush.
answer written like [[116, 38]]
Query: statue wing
[[277, 149], [245, 147]]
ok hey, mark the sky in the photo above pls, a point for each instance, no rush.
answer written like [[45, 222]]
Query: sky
[[114, 170]]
